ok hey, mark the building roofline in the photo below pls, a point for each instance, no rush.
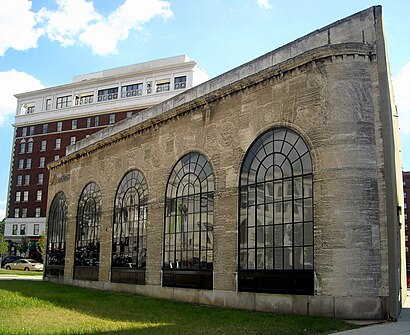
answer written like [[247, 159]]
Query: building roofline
[[144, 68]]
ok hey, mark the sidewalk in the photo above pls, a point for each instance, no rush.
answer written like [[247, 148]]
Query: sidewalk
[[20, 277], [401, 327]]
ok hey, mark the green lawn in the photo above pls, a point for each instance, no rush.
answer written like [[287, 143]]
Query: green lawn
[[37, 307]]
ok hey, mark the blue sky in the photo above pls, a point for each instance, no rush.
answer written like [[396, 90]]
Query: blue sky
[[45, 43]]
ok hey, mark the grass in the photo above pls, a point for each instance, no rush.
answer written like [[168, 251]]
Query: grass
[[5, 273], [37, 307]]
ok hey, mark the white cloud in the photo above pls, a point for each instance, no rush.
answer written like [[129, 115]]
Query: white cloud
[[12, 82], [75, 22], [104, 35], [17, 26], [401, 85], [71, 17], [264, 4]]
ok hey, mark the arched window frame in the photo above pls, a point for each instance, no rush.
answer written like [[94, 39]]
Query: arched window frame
[[56, 235], [129, 245], [275, 232], [87, 240], [188, 226]]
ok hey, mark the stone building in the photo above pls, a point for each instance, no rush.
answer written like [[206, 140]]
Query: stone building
[[273, 187], [406, 210]]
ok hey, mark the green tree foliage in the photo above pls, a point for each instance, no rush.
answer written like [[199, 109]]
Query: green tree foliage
[[4, 246], [41, 244], [23, 246], [2, 223]]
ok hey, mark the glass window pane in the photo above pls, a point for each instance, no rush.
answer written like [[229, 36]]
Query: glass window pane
[[278, 215], [260, 191], [307, 186], [287, 211], [278, 235], [288, 235], [260, 262], [308, 253], [269, 259], [269, 192], [269, 236], [307, 206], [298, 258], [298, 211], [251, 259], [298, 234], [251, 216], [308, 233], [288, 258], [251, 237], [278, 258]]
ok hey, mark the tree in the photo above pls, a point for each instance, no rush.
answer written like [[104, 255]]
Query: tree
[[41, 244], [4, 246], [23, 246], [2, 223]]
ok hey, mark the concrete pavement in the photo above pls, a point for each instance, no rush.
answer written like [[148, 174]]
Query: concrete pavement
[[401, 327], [17, 277]]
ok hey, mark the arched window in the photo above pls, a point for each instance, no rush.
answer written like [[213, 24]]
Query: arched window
[[129, 243], [87, 239], [276, 215], [56, 236], [189, 222]]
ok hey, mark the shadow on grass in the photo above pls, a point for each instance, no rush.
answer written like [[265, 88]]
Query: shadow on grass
[[154, 316]]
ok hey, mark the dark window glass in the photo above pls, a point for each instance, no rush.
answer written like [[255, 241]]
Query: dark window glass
[[108, 94], [87, 239], [276, 211], [56, 233], [131, 90], [63, 102], [179, 82], [129, 243]]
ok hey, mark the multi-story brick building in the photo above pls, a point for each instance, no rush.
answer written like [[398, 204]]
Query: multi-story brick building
[[50, 119]]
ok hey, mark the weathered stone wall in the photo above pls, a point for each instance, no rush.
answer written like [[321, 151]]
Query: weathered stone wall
[[330, 96]]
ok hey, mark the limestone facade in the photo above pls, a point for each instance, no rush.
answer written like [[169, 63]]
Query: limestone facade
[[326, 87]]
